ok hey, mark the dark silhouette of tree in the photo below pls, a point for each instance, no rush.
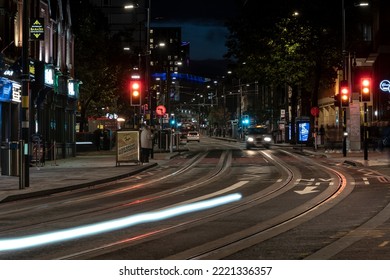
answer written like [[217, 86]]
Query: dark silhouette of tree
[[98, 64], [280, 48]]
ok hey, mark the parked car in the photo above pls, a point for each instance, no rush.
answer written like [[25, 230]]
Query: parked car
[[193, 136], [258, 136]]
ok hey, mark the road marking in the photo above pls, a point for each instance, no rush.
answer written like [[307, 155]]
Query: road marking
[[325, 180], [383, 179], [384, 243], [307, 190], [365, 180], [309, 181], [306, 180]]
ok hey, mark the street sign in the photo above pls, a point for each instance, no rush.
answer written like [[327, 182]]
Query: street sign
[[314, 111], [160, 110], [37, 29]]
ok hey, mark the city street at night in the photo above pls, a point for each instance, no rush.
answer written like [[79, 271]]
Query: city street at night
[[192, 139], [282, 203]]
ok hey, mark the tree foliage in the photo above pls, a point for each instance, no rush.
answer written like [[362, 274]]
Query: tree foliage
[[217, 116], [280, 49], [100, 77]]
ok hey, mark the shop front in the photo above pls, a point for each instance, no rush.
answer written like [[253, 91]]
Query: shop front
[[10, 98]]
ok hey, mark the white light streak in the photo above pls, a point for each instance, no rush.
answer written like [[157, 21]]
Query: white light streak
[[93, 229]]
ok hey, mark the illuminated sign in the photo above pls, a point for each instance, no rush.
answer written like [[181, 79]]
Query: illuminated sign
[[385, 85], [8, 73], [49, 76], [31, 70], [71, 89], [10, 91], [303, 131], [37, 29], [16, 92], [111, 116], [5, 89]]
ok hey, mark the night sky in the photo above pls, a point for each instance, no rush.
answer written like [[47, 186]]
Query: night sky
[[202, 23]]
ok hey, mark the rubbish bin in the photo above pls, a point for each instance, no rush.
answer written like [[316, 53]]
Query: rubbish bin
[[10, 159], [14, 164], [5, 159], [164, 139]]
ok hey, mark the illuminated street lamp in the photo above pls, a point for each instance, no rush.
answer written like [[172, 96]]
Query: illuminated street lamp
[[346, 75], [130, 6], [147, 52]]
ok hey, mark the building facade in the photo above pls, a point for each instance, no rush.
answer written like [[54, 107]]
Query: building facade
[[53, 90], [367, 56]]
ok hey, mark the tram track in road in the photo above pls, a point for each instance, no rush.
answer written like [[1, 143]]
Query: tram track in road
[[225, 245], [64, 217], [229, 244], [105, 190]]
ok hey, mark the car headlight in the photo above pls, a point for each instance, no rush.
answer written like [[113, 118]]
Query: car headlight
[[250, 139], [267, 139]]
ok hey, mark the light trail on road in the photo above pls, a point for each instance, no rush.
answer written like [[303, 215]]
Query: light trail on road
[[52, 237]]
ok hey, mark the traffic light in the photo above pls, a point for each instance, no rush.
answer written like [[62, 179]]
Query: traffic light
[[344, 93], [172, 121], [365, 89], [135, 93], [245, 120], [337, 100]]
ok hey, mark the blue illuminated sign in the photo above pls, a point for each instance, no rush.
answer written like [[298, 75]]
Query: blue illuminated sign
[[303, 131], [5, 89]]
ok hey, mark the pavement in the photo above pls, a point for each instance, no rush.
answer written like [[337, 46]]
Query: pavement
[[86, 169], [97, 167]]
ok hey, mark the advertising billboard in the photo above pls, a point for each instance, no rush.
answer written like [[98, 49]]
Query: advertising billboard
[[128, 148], [303, 131]]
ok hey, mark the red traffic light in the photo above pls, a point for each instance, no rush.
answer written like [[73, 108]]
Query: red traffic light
[[135, 93], [345, 93], [365, 89]]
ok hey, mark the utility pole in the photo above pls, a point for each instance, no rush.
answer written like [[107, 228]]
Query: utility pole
[[344, 52], [24, 174]]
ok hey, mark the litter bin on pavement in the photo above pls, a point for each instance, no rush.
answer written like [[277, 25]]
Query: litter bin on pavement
[[10, 158], [164, 139]]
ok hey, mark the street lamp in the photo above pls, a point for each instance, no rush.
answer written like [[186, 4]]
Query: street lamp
[[147, 55], [346, 74]]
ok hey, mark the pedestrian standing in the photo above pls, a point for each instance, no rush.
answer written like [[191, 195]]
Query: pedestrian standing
[[146, 143], [97, 135]]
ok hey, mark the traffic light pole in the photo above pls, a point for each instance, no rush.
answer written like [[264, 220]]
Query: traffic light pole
[[344, 132], [344, 53], [365, 140]]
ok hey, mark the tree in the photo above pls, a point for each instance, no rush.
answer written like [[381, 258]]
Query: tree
[[101, 77], [216, 116], [285, 50]]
